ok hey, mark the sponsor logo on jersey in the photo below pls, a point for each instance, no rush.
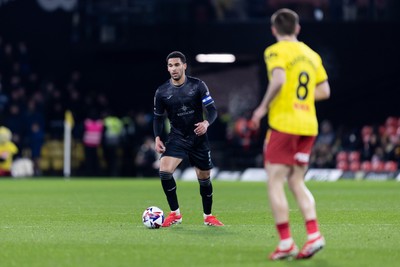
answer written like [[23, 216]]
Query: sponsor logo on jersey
[[185, 111]]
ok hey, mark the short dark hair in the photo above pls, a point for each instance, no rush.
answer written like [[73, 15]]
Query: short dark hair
[[176, 54], [285, 20]]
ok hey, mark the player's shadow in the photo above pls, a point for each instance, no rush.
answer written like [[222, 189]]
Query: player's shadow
[[201, 230]]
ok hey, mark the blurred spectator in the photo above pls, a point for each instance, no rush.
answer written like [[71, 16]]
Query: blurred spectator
[[379, 154], [7, 151], [307, 9], [75, 104], [146, 159], [370, 143], [230, 9], [327, 134], [35, 141], [92, 136], [349, 139], [349, 10], [244, 133], [322, 156], [113, 130], [3, 100], [15, 122], [394, 153], [128, 144], [33, 115], [144, 126]]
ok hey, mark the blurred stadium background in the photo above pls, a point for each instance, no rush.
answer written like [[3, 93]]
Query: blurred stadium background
[[105, 58]]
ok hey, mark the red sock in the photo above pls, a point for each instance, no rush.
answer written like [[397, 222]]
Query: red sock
[[283, 230], [312, 226]]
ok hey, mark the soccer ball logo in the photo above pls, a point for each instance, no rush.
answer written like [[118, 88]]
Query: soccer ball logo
[[153, 217]]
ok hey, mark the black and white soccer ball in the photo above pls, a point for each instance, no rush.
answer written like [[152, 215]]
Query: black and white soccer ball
[[153, 217]]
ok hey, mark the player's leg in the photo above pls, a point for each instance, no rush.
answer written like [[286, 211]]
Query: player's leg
[[277, 174], [306, 202], [206, 189], [278, 159], [206, 193], [305, 199], [167, 167], [303, 196], [200, 158]]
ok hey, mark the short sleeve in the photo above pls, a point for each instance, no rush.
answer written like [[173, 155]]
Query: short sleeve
[[321, 73], [273, 59]]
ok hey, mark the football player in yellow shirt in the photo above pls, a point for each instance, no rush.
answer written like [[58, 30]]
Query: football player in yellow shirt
[[297, 79], [7, 151]]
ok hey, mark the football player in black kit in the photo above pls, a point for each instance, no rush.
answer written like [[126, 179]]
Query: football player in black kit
[[182, 99]]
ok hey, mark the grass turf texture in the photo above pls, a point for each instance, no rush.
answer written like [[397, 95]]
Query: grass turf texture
[[52, 222]]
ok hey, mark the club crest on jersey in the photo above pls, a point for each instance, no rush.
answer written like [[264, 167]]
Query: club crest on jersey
[[191, 92]]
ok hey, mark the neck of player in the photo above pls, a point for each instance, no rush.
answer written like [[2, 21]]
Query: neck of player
[[180, 81]]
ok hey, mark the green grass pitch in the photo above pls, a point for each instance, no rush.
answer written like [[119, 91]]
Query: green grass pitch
[[97, 222]]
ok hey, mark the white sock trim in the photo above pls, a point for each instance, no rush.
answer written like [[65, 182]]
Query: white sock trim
[[313, 235], [286, 243], [177, 212]]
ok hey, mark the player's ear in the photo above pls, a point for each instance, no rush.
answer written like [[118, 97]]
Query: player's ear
[[184, 66], [297, 30], [273, 30]]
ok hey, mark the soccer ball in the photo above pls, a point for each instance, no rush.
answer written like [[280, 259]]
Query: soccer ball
[[153, 217]]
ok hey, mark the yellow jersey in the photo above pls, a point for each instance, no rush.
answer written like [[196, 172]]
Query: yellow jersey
[[7, 151], [292, 110]]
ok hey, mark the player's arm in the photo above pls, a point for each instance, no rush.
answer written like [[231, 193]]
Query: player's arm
[[211, 110], [211, 115], [158, 124], [278, 78], [322, 91]]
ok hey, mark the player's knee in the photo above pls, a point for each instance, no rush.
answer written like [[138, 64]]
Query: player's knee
[[205, 182], [203, 174], [165, 175]]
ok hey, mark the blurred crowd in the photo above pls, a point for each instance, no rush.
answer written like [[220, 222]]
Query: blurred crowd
[[317, 10], [108, 19], [156, 11], [33, 106], [369, 148]]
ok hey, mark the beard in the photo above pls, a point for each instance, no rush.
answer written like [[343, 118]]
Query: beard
[[176, 77]]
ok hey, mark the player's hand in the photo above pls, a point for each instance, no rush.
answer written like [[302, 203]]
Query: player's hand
[[201, 128], [159, 146], [258, 114]]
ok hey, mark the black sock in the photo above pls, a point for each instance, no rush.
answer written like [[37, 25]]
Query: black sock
[[169, 186], [206, 192]]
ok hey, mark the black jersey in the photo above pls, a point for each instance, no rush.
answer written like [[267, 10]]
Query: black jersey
[[183, 104]]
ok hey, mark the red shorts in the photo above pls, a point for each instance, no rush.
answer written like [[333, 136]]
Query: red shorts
[[283, 148]]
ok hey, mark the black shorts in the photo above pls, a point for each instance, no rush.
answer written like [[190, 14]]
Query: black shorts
[[197, 149]]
